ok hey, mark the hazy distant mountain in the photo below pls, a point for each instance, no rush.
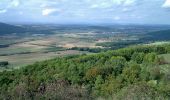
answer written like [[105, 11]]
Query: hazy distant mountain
[[9, 29], [159, 35], [23, 29]]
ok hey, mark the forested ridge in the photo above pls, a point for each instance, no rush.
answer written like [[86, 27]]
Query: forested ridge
[[133, 73], [161, 35], [9, 29]]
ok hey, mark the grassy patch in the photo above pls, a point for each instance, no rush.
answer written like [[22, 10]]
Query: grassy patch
[[20, 60], [166, 57]]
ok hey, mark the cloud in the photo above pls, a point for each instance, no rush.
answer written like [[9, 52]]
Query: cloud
[[102, 5], [94, 6], [43, 5], [126, 9], [8, 4], [3, 11], [97, 10], [166, 4], [111, 3], [49, 11], [116, 18], [15, 3], [123, 2], [129, 2], [137, 16]]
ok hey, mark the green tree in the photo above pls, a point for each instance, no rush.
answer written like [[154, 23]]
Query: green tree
[[98, 85], [131, 73], [151, 58], [138, 57], [110, 86]]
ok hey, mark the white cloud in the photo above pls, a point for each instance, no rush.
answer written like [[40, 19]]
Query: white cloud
[[8, 4], [84, 9], [125, 9], [79, 14], [3, 11], [94, 6], [129, 2], [105, 5], [43, 5], [123, 2], [15, 3], [116, 18], [166, 4], [111, 3], [49, 11], [117, 2], [101, 5], [137, 16]]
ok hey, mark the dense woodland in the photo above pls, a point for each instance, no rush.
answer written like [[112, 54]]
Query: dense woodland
[[134, 73], [161, 35], [8, 29]]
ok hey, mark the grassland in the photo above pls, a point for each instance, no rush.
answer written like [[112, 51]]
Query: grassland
[[166, 57]]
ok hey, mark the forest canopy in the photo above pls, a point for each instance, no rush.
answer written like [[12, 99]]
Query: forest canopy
[[133, 73]]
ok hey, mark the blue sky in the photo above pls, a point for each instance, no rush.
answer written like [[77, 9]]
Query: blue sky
[[85, 11]]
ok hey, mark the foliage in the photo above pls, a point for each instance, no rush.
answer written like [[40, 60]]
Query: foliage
[[4, 63], [130, 73]]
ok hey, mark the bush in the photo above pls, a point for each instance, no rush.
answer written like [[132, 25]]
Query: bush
[[4, 63]]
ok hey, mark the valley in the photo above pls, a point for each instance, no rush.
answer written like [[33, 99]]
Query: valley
[[37, 45], [84, 50]]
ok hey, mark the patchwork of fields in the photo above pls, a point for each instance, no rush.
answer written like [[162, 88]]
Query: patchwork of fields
[[20, 60], [20, 50]]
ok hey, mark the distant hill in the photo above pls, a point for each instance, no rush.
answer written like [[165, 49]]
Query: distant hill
[[159, 35], [21, 30], [9, 29]]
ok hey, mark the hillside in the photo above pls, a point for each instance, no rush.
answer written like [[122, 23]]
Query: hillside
[[159, 35], [9, 29], [135, 73]]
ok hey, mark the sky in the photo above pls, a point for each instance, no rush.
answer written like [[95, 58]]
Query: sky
[[85, 11]]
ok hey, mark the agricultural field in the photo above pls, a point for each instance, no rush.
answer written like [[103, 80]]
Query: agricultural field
[[21, 60], [27, 52], [47, 42]]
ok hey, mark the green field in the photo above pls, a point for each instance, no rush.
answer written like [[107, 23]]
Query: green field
[[20, 60]]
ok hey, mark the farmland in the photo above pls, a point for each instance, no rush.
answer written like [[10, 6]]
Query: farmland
[[49, 41]]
